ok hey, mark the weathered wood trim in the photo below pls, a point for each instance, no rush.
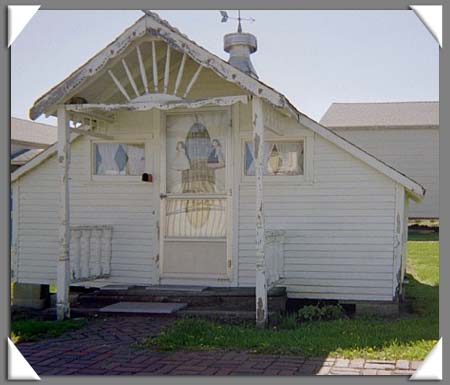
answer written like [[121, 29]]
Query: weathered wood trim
[[236, 187], [416, 190], [93, 116], [258, 145], [119, 85], [130, 78], [399, 217], [404, 240], [156, 152], [63, 265], [154, 67], [91, 134], [142, 70], [192, 82], [162, 190], [15, 190], [180, 74], [230, 162], [167, 70], [162, 29], [144, 106]]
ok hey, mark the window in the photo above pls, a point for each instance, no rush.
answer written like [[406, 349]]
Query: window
[[282, 158], [196, 152], [122, 159]]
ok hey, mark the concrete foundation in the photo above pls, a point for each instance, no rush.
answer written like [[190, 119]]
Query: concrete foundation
[[31, 296], [375, 308]]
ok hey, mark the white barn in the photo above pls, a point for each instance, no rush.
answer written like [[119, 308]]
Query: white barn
[[160, 183], [405, 135]]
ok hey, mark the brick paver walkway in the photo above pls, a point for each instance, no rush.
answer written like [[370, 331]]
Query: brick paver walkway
[[105, 346]]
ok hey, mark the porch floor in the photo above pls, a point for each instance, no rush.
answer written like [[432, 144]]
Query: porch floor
[[228, 303]]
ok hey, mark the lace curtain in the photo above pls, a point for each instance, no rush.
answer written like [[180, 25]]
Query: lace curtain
[[280, 158], [119, 159]]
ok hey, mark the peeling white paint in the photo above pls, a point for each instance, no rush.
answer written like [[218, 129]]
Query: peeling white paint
[[142, 106], [258, 145], [63, 265]]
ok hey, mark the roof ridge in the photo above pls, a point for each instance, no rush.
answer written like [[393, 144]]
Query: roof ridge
[[33, 122], [395, 102]]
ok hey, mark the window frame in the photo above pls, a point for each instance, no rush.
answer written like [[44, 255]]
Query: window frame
[[116, 178], [305, 178]]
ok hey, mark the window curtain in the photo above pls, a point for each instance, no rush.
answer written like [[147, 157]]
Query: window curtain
[[290, 154], [119, 159], [250, 159], [279, 158], [106, 163], [136, 160]]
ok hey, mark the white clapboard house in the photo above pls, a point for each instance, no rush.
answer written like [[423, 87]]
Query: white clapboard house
[[175, 167], [403, 134]]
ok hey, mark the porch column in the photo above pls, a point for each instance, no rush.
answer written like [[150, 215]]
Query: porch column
[[63, 265], [258, 145]]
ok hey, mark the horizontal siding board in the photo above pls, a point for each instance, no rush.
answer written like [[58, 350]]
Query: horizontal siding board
[[127, 206], [339, 229], [414, 152]]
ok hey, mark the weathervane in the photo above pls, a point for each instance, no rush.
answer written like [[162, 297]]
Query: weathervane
[[225, 18]]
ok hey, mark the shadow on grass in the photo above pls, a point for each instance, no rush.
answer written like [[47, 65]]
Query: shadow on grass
[[422, 299]]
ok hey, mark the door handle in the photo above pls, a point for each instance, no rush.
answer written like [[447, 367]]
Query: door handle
[[162, 196]]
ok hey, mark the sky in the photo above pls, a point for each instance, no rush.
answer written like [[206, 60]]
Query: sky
[[314, 58]]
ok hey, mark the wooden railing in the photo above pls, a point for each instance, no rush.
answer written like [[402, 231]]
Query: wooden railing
[[90, 252], [274, 256]]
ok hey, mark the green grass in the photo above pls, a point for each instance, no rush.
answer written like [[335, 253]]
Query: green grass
[[33, 330], [411, 336]]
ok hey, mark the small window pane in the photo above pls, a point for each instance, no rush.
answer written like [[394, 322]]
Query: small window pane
[[119, 159], [281, 158]]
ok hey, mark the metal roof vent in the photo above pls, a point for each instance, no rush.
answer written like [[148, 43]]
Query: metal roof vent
[[240, 45]]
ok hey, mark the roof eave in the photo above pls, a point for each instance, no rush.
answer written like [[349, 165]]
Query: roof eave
[[151, 23]]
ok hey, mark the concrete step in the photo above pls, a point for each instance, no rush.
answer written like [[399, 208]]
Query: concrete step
[[143, 308]]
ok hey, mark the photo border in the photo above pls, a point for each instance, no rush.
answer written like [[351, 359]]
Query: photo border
[[214, 4]]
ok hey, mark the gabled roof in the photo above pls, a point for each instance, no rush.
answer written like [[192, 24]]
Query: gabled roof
[[27, 131], [389, 114], [151, 23], [26, 156]]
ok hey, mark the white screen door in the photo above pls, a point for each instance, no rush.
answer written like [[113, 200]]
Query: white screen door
[[194, 199]]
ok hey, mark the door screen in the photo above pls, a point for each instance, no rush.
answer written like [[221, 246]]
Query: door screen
[[195, 207]]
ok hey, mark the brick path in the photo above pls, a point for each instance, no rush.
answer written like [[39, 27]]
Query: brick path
[[104, 346]]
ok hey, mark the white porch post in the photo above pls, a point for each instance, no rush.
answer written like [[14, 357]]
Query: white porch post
[[258, 145], [63, 266]]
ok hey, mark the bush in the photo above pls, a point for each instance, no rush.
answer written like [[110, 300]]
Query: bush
[[320, 313], [311, 313]]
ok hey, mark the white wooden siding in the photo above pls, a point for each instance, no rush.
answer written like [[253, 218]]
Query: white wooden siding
[[128, 207], [339, 229], [339, 225], [412, 151]]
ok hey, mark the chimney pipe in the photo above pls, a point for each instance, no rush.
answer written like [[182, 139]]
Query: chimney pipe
[[240, 46]]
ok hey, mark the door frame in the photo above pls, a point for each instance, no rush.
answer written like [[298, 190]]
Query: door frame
[[229, 277]]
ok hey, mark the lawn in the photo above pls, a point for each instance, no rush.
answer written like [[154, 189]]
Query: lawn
[[34, 329], [410, 336]]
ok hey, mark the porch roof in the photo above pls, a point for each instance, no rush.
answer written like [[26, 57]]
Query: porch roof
[[153, 25]]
